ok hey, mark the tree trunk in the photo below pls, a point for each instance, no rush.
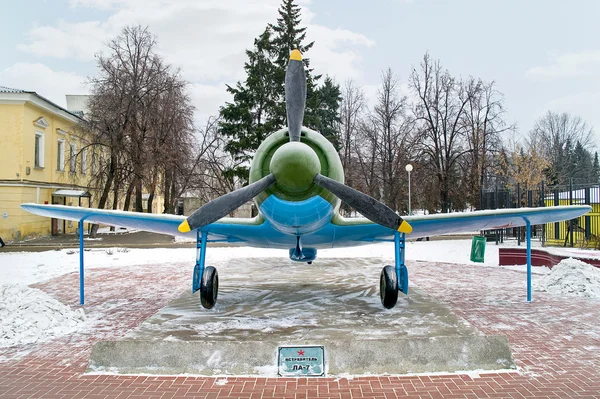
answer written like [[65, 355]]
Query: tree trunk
[[152, 191], [167, 204], [127, 203], [139, 206], [105, 191]]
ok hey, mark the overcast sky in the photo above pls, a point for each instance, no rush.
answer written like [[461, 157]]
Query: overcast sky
[[543, 54]]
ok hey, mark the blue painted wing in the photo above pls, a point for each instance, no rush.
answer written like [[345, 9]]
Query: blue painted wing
[[226, 229], [349, 231], [341, 232]]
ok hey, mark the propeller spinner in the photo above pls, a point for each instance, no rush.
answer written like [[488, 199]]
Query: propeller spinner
[[295, 168]]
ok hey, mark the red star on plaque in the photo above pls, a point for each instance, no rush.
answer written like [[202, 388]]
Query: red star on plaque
[[300, 352]]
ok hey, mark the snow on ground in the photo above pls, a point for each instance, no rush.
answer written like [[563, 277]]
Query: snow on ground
[[33, 267], [571, 277], [31, 316]]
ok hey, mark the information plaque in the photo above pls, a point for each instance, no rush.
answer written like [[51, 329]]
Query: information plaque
[[301, 361]]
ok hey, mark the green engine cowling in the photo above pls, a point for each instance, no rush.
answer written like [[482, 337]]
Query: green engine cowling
[[282, 165]]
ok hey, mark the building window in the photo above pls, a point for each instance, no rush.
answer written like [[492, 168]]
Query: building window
[[94, 162], [73, 158], [60, 160], [83, 161], [39, 150]]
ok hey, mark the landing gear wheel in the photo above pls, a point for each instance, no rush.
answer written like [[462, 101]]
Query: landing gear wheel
[[388, 287], [209, 287]]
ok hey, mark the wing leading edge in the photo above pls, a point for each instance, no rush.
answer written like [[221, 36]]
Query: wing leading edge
[[226, 229], [361, 229], [340, 233]]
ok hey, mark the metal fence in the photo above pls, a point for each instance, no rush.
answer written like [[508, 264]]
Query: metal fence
[[582, 232]]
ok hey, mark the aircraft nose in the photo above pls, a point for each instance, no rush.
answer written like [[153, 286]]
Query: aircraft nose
[[295, 166]]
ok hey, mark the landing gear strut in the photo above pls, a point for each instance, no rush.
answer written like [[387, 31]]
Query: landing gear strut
[[394, 279], [205, 279]]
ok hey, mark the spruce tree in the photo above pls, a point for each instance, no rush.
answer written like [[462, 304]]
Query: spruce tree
[[583, 165], [595, 169], [329, 97], [288, 36], [258, 106], [251, 116]]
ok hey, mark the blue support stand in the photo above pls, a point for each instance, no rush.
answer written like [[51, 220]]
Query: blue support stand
[[200, 257], [81, 276], [528, 238], [401, 269]]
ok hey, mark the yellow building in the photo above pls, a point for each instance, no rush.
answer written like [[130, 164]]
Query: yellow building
[[42, 160]]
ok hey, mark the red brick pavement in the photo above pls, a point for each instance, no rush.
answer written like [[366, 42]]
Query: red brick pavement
[[555, 343]]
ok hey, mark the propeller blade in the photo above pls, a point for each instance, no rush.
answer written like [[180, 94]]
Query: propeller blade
[[372, 209], [220, 207], [295, 94]]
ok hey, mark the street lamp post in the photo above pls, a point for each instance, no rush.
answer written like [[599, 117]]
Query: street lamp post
[[409, 169]]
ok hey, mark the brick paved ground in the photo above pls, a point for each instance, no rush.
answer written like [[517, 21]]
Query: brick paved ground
[[555, 343]]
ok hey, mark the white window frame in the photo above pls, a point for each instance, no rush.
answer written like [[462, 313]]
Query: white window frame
[[83, 161], [60, 160], [39, 151], [94, 162], [73, 157]]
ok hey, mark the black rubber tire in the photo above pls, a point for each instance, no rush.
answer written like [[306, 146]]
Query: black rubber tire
[[209, 287], [388, 287]]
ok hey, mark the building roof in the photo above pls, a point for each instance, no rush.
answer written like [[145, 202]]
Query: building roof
[[4, 89], [71, 193]]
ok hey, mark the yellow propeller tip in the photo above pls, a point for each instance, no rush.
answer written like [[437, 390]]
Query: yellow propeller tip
[[405, 227], [296, 55], [184, 227]]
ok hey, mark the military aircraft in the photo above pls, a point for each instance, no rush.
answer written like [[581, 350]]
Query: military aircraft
[[297, 184]]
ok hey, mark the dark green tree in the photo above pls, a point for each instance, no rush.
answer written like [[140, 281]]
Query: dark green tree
[[329, 97], [287, 36], [596, 168], [258, 106], [251, 116], [582, 165]]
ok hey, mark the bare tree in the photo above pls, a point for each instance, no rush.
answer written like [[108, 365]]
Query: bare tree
[[368, 165], [484, 123], [140, 118], [385, 138], [170, 142], [555, 135], [351, 106], [203, 175], [395, 129], [520, 164], [439, 113]]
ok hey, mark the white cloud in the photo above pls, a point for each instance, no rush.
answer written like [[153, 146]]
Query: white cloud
[[79, 41], [207, 99], [46, 82], [207, 39], [336, 51], [568, 65]]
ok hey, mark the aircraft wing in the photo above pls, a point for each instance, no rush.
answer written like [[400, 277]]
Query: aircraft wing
[[361, 229], [223, 230]]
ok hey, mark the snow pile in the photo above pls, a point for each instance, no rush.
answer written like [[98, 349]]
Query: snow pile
[[28, 315], [572, 277]]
